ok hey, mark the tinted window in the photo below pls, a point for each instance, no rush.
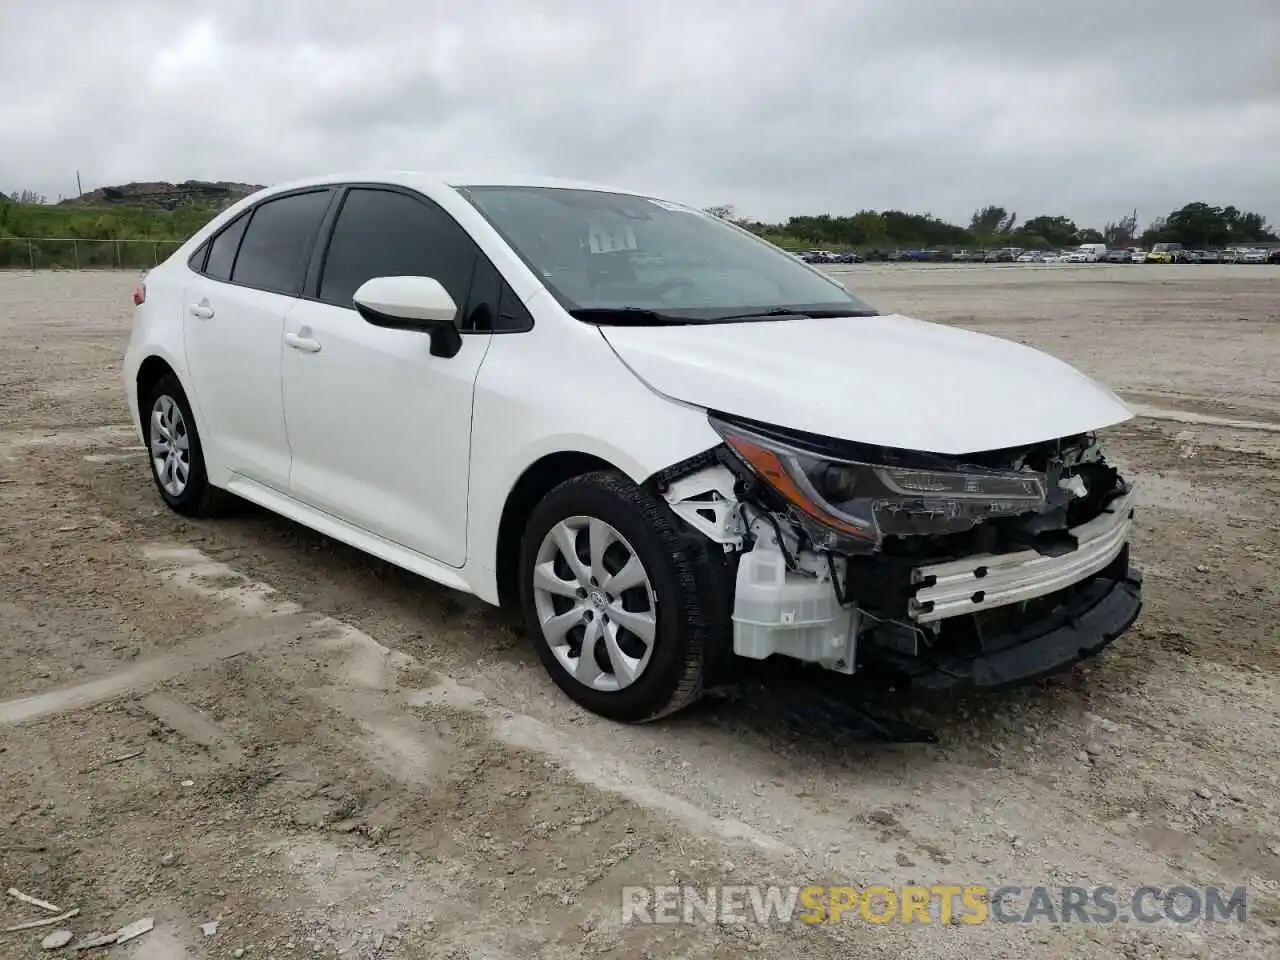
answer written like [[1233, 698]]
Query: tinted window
[[513, 314], [196, 260], [493, 305], [222, 253], [485, 300], [274, 253], [384, 234]]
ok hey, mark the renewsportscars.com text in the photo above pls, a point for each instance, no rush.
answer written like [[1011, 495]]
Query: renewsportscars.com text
[[941, 903]]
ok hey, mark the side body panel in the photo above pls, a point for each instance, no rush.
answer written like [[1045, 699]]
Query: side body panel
[[380, 430], [561, 388], [234, 357]]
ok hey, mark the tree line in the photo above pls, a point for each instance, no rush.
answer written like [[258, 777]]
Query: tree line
[[118, 222], [1194, 225], [58, 227]]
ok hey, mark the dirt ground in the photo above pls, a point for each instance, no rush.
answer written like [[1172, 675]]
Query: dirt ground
[[241, 721]]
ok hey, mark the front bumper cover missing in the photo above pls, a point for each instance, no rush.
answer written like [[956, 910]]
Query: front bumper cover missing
[[1102, 609], [974, 584]]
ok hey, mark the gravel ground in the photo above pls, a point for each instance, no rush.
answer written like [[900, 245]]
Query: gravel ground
[[241, 721]]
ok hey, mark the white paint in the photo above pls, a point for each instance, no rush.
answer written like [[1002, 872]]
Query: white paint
[[1205, 419], [194, 726], [189, 569], [111, 457], [407, 298], [892, 381], [370, 664], [109, 435], [391, 741], [192, 655]]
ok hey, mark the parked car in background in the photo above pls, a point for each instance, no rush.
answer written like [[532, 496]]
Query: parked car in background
[[1165, 253], [1137, 255], [1254, 256], [1030, 258], [1118, 256], [1274, 256], [1209, 256], [1092, 252], [1004, 255], [400, 362]]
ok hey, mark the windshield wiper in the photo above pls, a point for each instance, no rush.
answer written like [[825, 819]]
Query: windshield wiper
[[775, 312], [627, 316], [763, 314]]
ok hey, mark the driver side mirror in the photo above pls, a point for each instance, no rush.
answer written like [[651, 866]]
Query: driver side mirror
[[412, 303]]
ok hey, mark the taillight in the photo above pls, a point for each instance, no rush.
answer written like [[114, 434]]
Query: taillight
[[139, 294]]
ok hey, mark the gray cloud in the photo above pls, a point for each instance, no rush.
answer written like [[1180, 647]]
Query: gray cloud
[[1085, 108]]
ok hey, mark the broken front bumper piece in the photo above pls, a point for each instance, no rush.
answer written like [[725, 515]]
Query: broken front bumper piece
[[1089, 617], [979, 583], [985, 621]]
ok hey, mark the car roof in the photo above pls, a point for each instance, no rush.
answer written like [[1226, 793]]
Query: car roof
[[428, 181]]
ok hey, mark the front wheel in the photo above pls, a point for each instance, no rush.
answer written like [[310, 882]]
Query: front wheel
[[610, 597]]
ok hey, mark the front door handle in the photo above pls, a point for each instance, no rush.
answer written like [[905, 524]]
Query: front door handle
[[305, 344], [201, 310]]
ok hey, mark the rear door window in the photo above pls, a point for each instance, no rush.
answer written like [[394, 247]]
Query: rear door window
[[277, 244]]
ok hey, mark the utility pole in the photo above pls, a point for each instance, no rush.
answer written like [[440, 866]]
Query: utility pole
[[79, 190]]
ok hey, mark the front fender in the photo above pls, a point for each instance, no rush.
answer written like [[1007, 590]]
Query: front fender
[[536, 396]]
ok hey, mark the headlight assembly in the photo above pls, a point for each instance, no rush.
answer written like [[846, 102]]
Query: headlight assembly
[[852, 505]]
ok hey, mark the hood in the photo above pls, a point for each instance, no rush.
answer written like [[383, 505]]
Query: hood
[[890, 381]]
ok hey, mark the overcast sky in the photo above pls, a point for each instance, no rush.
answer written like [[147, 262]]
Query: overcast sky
[[1073, 107]]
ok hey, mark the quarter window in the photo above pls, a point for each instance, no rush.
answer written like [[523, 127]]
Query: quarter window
[[278, 242], [494, 306], [222, 252], [196, 260]]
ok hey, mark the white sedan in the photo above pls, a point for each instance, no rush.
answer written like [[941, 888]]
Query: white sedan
[[669, 444]]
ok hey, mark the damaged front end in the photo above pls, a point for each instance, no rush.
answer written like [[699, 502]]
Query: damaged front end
[[943, 572]]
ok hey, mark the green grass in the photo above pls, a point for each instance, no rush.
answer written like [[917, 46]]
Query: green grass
[[163, 229]]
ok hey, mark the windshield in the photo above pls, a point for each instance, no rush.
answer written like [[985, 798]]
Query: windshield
[[618, 258]]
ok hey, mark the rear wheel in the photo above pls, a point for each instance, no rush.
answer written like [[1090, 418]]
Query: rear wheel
[[609, 592], [173, 445]]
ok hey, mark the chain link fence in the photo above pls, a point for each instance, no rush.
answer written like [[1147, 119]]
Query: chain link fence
[[73, 253]]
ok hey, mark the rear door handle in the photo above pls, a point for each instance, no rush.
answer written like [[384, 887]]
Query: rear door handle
[[305, 344], [201, 310]]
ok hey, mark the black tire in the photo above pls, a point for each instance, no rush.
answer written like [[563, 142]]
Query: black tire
[[687, 615], [198, 497]]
